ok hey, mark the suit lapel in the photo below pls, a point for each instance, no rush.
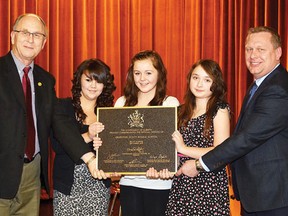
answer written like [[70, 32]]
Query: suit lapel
[[243, 108], [14, 80], [259, 90]]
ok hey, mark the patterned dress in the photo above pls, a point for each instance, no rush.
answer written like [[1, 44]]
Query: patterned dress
[[207, 193]]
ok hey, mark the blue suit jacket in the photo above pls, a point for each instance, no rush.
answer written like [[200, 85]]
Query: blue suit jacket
[[258, 148]]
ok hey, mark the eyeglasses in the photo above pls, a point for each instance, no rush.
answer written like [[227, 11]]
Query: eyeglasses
[[27, 34]]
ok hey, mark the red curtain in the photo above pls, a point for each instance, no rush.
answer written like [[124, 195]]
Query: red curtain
[[182, 31]]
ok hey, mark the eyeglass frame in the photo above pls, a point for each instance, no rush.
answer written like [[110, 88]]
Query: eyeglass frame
[[27, 34]]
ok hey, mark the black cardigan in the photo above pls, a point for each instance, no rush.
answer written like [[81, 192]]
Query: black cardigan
[[63, 170]]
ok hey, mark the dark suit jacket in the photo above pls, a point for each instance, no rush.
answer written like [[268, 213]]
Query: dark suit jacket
[[258, 148], [13, 129]]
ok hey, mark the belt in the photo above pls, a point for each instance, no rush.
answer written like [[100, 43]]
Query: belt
[[27, 160]]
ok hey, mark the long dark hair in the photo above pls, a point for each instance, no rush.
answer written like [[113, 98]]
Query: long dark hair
[[131, 90], [218, 89], [96, 70]]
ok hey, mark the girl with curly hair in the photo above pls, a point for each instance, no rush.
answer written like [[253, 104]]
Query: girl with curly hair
[[76, 192]]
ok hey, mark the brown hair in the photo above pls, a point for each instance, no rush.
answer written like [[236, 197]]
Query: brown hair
[[218, 89], [131, 90], [275, 38]]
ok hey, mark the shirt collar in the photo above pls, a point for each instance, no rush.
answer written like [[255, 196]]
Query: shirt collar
[[20, 66], [260, 80]]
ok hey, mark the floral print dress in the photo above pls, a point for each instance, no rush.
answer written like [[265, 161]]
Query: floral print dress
[[206, 194]]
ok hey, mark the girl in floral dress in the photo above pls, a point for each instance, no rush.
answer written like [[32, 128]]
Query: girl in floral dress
[[204, 122]]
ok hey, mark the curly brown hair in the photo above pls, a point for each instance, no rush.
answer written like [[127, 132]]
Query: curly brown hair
[[131, 90], [96, 70], [218, 88]]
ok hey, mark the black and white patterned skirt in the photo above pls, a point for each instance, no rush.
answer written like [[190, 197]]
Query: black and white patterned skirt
[[88, 196]]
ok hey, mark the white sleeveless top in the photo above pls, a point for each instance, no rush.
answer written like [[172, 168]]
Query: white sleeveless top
[[142, 181]]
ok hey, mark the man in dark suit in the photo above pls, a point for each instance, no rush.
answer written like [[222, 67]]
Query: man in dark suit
[[258, 148], [19, 173]]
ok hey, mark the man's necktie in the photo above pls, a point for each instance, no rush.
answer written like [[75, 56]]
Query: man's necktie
[[30, 147], [252, 91]]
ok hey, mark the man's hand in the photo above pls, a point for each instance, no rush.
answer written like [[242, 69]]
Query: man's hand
[[188, 168]]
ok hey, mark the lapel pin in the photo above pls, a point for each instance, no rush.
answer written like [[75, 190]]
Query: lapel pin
[[39, 84]]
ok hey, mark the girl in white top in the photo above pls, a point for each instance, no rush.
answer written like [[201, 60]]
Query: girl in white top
[[145, 86]]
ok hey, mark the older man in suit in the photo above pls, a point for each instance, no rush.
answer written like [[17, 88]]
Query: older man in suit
[[258, 148], [20, 171]]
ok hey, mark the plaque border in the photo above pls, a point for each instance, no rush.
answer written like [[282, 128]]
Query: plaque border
[[139, 107]]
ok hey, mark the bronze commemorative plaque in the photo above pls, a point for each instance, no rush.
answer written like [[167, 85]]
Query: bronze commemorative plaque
[[137, 138]]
